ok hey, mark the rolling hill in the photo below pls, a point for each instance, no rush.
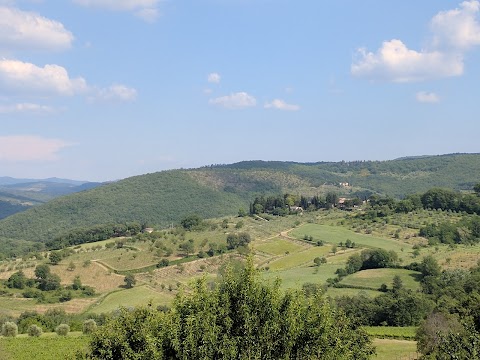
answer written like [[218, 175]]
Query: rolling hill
[[166, 197]]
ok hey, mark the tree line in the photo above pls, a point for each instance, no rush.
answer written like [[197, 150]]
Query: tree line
[[93, 234]]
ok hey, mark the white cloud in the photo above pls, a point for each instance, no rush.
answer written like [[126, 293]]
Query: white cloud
[[144, 9], [453, 32], [214, 78], [281, 105], [21, 29], [30, 148], [26, 78], [116, 92], [237, 100], [427, 97], [395, 62], [25, 108], [457, 28]]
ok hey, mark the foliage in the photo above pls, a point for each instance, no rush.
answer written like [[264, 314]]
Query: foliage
[[17, 280], [89, 326], [237, 240], [130, 281], [443, 336], [34, 330], [9, 329], [93, 234], [62, 329], [242, 318], [192, 222]]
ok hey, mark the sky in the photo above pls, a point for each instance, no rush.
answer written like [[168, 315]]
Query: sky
[[101, 90]]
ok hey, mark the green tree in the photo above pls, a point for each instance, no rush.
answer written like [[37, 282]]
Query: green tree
[[52, 282], [397, 284], [89, 326], [241, 318], [430, 267], [34, 330], [331, 199], [9, 329], [77, 283], [55, 257], [476, 189], [354, 263], [236, 240], [130, 281], [188, 247], [17, 280], [62, 329], [42, 271], [191, 222]]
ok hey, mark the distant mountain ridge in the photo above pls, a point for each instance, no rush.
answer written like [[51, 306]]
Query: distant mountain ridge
[[166, 197], [17, 195], [7, 180]]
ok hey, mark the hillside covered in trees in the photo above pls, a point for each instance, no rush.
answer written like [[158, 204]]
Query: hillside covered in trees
[[166, 197]]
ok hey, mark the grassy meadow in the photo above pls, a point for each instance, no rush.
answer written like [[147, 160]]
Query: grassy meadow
[[46, 347]]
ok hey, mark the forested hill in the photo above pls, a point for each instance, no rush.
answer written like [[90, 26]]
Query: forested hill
[[165, 197]]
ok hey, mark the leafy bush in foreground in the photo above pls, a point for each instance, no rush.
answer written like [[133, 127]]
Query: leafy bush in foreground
[[242, 318]]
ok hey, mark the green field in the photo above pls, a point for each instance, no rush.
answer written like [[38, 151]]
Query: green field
[[391, 349], [337, 235], [137, 296], [300, 258], [407, 332], [47, 347], [278, 247], [374, 278], [295, 278], [15, 306]]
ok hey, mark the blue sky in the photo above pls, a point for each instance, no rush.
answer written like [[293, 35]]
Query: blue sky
[[106, 89]]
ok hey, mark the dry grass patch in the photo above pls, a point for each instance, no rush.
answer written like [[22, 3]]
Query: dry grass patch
[[95, 275]]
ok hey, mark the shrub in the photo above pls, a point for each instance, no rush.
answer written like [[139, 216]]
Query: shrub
[[89, 326], [9, 329], [243, 317], [34, 330], [62, 329]]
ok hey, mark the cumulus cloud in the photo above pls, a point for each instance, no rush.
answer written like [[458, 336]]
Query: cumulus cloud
[[427, 97], [453, 33], [214, 78], [237, 100], [25, 108], [21, 29], [395, 62], [116, 92], [29, 79], [144, 9], [281, 105], [30, 148], [457, 28]]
